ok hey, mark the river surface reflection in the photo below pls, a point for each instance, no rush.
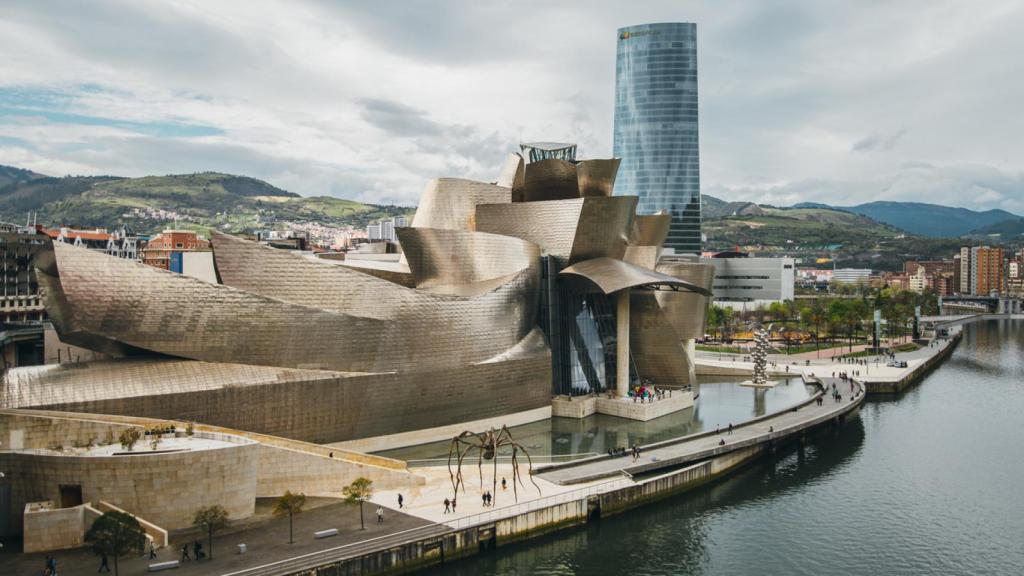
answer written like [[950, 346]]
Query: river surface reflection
[[929, 482]]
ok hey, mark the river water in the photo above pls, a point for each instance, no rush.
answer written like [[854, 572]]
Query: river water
[[930, 482]]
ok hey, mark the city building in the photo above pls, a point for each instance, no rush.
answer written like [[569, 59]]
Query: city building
[[656, 128], [742, 281], [181, 251], [851, 275], [966, 278], [986, 270], [385, 230]]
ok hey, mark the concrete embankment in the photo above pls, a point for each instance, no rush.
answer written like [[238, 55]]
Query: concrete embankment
[[914, 375]]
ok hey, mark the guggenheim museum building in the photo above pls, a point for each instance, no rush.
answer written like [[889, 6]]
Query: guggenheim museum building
[[540, 285]]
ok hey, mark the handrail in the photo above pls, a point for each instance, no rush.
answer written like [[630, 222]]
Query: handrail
[[423, 462]]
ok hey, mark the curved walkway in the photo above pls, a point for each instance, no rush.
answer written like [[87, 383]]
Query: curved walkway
[[696, 447]]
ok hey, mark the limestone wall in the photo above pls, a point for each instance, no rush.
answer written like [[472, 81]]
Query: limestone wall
[[282, 469], [49, 528], [164, 488], [18, 432]]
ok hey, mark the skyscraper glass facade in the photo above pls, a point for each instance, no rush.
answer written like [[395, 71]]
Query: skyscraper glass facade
[[656, 126]]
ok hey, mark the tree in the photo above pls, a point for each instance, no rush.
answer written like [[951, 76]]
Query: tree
[[290, 504], [210, 519], [116, 534], [128, 438], [359, 491]]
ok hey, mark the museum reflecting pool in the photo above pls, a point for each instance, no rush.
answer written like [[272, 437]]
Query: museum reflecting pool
[[924, 483], [720, 402]]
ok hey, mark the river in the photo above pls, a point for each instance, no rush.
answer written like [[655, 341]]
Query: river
[[929, 482]]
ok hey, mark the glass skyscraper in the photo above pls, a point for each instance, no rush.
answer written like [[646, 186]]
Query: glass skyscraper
[[656, 126]]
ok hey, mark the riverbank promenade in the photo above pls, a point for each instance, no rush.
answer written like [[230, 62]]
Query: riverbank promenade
[[874, 371]]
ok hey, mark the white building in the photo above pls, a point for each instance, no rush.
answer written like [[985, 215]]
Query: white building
[[385, 229], [749, 282], [851, 275]]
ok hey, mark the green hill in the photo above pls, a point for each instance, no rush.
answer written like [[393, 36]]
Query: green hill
[[11, 175], [149, 204], [926, 219]]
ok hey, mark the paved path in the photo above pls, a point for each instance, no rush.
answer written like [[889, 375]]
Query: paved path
[[706, 445], [266, 538]]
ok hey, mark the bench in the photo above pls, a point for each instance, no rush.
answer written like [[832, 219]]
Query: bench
[[164, 566], [325, 533]]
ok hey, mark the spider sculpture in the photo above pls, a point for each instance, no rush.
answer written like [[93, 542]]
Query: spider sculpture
[[487, 445]]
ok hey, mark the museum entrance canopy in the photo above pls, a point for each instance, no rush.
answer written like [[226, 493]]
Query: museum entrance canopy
[[609, 275]]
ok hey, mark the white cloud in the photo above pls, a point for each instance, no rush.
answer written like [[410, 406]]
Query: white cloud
[[800, 100]]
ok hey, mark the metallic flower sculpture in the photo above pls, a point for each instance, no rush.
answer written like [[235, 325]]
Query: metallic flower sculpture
[[487, 445]]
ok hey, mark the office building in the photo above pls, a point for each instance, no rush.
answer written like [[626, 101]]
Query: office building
[[656, 128], [851, 275], [748, 282]]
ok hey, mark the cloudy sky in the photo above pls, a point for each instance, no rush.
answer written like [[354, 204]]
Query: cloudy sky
[[839, 102]]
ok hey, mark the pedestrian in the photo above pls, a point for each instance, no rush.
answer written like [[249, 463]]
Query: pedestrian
[[771, 428], [721, 442], [484, 498], [197, 550], [453, 505], [400, 501], [184, 553], [51, 565], [447, 505], [152, 550], [104, 567], [503, 486], [380, 514], [730, 427]]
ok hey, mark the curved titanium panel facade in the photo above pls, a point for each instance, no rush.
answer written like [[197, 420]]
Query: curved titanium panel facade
[[610, 275], [687, 311], [457, 257], [176, 315], [596, 177], [654, 345], [550, 179], [451, 203], [656, 127], [568, 230]]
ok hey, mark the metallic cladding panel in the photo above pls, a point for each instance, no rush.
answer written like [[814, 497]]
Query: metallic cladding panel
[[568, 230], [180, 316], [687, 311], [610, 275], [597, 177], [550, 225], [439, 257], [655, 346], [650, 230], [550, 179], [309, 405], [451, 203], [513, 175], [479, 323], [604, 228]]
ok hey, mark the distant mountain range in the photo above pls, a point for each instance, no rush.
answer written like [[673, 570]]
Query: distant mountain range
[[928, 219], [152, 203]]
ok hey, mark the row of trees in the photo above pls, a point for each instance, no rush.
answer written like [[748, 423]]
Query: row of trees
[[828, 318], [117, 534]]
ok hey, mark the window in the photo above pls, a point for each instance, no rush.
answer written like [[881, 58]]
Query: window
[[179, 245]]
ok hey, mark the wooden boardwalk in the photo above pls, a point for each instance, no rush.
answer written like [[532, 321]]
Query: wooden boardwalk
[[688, 449]]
